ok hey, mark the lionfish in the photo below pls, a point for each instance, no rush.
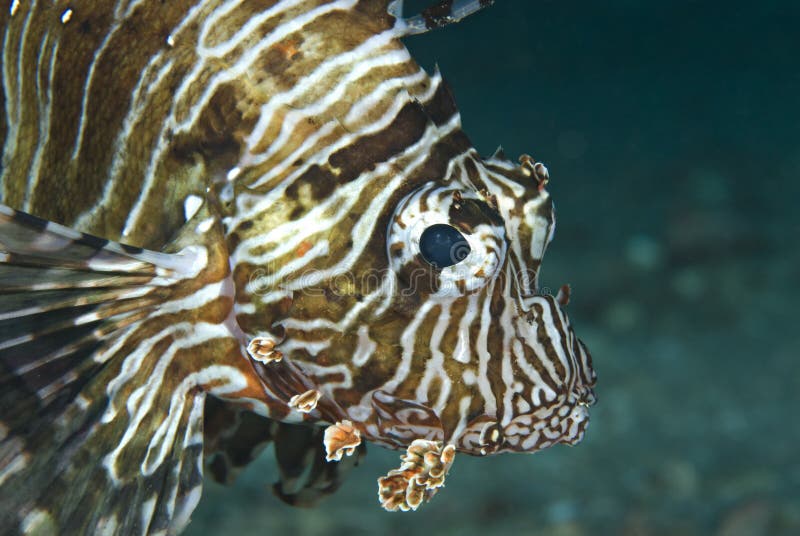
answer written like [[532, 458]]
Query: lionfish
[[237, 223]]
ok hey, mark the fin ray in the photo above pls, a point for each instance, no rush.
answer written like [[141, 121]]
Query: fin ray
[[103, 390]]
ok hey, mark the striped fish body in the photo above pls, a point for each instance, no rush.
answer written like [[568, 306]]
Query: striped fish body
[[230, 222]]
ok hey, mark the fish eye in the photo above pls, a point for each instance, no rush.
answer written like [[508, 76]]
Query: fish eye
[[437, 244], [441, 245]]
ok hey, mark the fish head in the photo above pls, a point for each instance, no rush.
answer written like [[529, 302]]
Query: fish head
[[513, 376], [392, 280]]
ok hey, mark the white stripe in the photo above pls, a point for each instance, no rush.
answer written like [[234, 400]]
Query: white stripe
[[463, 350], [119, 19], [135, 114], [365, 347], [484, 358], [314, 79], [140, 402], [295, 117], [407, 340], [508, 333], [15, 465], [45, 112], [13, 98], [463, 409], [434, 366]]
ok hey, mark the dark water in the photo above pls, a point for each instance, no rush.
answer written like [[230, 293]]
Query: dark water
[[672, 134]]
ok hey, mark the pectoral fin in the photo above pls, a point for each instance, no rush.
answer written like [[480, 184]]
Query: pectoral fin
[[106, 355]]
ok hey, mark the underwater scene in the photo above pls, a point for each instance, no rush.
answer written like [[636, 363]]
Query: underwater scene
[[671, 131], [251, 254]]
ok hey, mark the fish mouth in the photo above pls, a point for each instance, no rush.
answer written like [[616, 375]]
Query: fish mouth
[[564, 422], [585, 395], [568, 429]]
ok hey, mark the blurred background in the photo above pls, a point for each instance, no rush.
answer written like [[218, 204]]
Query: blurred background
[[672, 135]]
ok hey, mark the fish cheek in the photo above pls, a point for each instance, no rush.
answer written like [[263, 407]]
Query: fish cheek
[[381, 365]]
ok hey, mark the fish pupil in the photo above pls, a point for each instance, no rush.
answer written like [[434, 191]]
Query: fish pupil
[[442, 245]]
